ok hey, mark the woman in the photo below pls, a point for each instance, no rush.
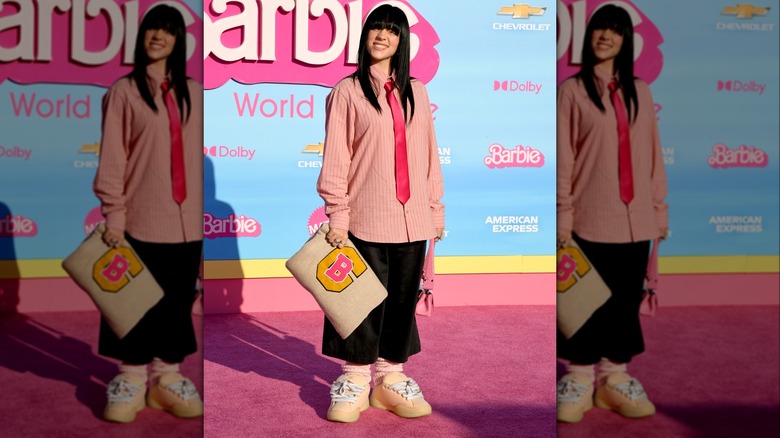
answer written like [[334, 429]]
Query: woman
[[611, 190], [386, 201], [150, 185]]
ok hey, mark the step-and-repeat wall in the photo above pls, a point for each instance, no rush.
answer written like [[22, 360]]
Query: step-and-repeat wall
[[713, 69], [56, 61], [490, 70]]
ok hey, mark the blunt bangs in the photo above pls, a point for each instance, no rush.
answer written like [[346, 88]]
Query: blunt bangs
[[166, 18], [392, 19], [612, 18]]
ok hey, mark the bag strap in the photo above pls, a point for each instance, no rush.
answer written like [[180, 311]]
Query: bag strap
[[651, 277], [428, 268]]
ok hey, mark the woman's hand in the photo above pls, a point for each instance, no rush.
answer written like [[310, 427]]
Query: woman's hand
[[563, 239], [337, 237], [664, 234], [439, 234], [113, 237]]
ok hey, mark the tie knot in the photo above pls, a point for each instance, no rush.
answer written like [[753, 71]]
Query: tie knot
[[389, 85], [613, 86], [165, 85]]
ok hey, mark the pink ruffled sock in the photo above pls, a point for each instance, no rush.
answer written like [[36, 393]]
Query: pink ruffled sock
[[382, 367], [356, 368], [139, 370], [585, 370], [607, 367], [160, 367]]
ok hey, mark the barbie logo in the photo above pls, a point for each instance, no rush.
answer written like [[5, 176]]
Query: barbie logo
[[743, 156], [573, 16], [520, 156], [316, 220], [17, 226], [231, 226], [79, 41], [94, 217], [299, 41]]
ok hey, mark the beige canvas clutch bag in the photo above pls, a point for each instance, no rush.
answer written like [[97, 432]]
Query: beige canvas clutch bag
[[581, 291], [342, 283], [118, 283]]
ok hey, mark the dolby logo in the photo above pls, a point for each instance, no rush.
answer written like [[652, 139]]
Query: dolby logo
[[741, 86], [517, 86]]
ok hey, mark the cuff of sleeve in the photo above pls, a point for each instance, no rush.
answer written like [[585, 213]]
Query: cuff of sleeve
[[565, 222], [339, 220], [437, 210], [663, 220], [115, 221]]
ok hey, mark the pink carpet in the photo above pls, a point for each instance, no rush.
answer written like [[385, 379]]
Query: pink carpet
[[487, 371], [711, 371], [54, 383]]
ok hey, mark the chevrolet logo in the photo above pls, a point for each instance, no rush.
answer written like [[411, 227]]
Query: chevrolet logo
[[93, 148], [744, 10], [314, 149], [521, 11]]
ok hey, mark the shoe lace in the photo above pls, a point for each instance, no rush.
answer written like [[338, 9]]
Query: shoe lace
[[121, 391], [345, 391], [632, 389], [184, 389], [409, 389], [569, 391]]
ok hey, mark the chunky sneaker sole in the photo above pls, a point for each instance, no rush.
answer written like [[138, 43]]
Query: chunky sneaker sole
[[574, 397], [401, 396], [125, 398], [574, 416], [348, 398], [624, 394], [123, 416], [346, 417], [402, 410], [175, 394]]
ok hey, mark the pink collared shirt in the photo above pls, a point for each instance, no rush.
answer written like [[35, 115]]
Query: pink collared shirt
[[133, 180], [588, 192], [357, 180]]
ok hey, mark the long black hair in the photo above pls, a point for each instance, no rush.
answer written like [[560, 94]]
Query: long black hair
[[169, 19], [616, 19], [390, 18]]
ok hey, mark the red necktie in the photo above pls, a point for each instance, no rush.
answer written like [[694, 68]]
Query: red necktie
[[399, 131], [177, 148], [624, 149]]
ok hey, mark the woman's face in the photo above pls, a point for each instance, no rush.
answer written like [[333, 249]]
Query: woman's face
[[381, 46], [158, 44], [606, 44]]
